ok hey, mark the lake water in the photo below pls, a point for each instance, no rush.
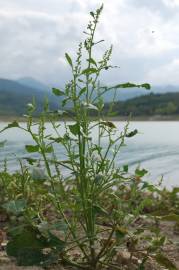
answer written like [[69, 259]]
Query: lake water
[[155, 148]]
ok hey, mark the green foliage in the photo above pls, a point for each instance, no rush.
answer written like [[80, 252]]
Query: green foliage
[[164, 261], [148, 105], [57, 92], [15, 206], [32, 148], [132, 85]]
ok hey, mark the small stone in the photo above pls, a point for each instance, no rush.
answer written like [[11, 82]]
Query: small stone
[[124, 258]]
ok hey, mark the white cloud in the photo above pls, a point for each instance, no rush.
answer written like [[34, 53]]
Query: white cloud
[[171, 3], [36, 34], [165, 74]]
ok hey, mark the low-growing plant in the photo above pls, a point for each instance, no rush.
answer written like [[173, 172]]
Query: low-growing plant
[[77, 207]]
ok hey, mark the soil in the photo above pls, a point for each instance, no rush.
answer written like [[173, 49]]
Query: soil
[[170, 249]]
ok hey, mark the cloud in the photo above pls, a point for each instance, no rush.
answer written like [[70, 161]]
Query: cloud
[[167, 74], [36, 34]]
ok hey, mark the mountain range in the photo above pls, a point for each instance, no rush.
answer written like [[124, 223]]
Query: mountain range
[[15, 94]]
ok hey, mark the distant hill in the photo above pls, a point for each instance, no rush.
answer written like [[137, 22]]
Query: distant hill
[[33, 83], [14, 96], [148, 105]]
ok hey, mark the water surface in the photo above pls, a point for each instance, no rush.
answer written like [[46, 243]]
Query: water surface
[[155, 148]]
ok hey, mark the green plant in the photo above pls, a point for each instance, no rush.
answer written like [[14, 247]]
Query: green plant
[[94, 208]]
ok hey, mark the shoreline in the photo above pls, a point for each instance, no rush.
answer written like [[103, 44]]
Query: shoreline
[[155, 118]]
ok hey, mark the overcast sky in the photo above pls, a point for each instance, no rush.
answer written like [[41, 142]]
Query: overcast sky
[[35, 34]]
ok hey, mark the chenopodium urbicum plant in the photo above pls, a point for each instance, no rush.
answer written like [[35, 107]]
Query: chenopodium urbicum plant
[[88, 217]]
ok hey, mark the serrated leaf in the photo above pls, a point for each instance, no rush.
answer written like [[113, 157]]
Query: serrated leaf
[[11, 125], [74, 129], [69, 59], [22, 246], [32, 148], [58, 92], [15, 206]]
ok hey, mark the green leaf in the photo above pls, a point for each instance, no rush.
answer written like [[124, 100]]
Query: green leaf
[[89, 71], [141, 173], [120, 233], [132, 133], [74, 129], [55, 242], [132, 85], [59, 226], [64, 102], [38, 174], [92, 61], [82, 91], [49, 149], [31, 161], [32, 148], [125, 168], [69, 59], [92, 14], [99, 210], [27, 247], [11, 125], [31, 256], [108, 124], [15, 206], [57, 140], [146, 86], [164, 261], [58, 92]]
